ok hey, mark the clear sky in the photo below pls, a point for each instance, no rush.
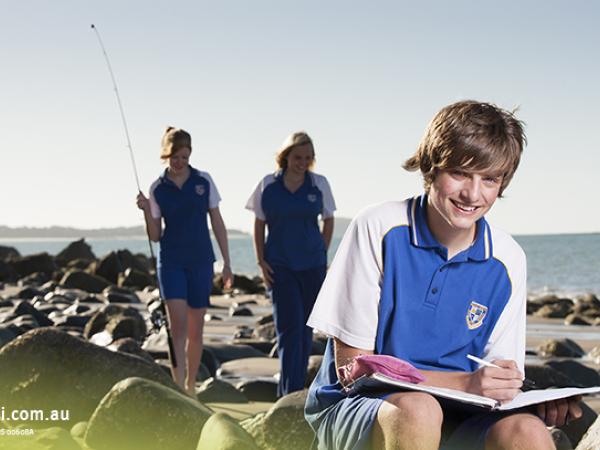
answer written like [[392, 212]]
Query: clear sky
[[363, 78]]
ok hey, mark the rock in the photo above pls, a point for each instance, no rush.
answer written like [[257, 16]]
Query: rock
[[283, 426], [141, 414], [78, 322], [214, 390], [261, 345], [79, 279], [250, 367], [576, 429], [49, 369], [228, 352], [114, 313], [314, 364], [561, 440], [108, 267], [24, 308], [594, 354], [8, 253], [7, 334], [546, 377], [576, 319], [27, 293], [591, 439], [7, 272], [247, 285], [559, 309], [580, 374], [75, 250], [54, 438], [115, 294], [266, 331], [39, 262], [221, 432], [34, 279], [130, 346], [26, 322], [258, 390], [560, 347], [268, 318], [136, 279], [240, 311], [138, 262], [78, 430]]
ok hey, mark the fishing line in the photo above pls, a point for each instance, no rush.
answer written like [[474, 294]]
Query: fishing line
[[137, 181]]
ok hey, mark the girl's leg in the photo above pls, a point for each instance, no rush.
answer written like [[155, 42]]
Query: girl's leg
[[195, 320], [177, 316]]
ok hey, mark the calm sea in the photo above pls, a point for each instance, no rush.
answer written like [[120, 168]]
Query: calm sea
[[567, 264]]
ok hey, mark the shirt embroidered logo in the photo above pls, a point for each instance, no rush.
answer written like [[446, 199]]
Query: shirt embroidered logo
[[200, 189], [475, 315], [312, 198]]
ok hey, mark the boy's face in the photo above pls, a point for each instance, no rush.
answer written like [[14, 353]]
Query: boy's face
[[460, 198]]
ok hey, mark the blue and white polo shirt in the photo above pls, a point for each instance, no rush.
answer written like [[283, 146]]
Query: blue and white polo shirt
[[294, 239], [185, 240], [392, 290]]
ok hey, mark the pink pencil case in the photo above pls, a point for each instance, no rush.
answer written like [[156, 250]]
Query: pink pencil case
[[365, 365]]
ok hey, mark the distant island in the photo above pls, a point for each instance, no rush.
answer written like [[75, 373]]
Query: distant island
[[69, 232], [341, 224]]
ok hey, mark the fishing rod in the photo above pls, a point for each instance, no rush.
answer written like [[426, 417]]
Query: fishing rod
[[155, 321]]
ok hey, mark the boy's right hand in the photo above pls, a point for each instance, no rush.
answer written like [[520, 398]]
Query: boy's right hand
[[501, 383]]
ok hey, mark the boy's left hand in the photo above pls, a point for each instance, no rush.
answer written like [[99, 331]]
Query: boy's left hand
[[557, 413]]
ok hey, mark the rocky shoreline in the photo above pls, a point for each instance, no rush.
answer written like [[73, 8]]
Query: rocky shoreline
[[80, 334]]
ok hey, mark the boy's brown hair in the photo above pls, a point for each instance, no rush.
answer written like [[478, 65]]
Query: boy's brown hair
[[470, 136]]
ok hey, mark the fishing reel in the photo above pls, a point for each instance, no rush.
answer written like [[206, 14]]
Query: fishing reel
[[158, 315]]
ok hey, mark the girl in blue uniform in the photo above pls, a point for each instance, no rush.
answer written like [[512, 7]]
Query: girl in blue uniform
[[182, 197], [293, 260]]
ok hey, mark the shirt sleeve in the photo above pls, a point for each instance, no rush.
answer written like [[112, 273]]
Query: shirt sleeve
[[507, 340], [347, 305], [213, 197], [328, 201], [254, 203], [154, 208]]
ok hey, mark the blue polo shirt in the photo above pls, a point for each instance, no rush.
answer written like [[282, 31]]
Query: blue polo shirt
[[185, 240], [391, 289], [294, 239]]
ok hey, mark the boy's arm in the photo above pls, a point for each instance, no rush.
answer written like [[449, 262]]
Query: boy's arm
[[344, 354]]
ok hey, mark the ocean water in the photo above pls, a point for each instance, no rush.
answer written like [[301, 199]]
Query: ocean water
[[566, 264]]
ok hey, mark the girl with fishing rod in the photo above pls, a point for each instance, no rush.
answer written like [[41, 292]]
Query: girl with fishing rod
[[183, 197]]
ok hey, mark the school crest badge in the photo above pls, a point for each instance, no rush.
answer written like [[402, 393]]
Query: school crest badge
[[200, 189], [312, 198], [475, 315]]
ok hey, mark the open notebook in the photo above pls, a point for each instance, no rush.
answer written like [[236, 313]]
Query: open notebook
[[381, 382]]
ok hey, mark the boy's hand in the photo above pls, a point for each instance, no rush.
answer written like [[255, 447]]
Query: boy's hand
[[560, 412], [501, 383]]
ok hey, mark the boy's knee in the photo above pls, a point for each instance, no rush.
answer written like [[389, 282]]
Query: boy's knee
[[519, 431], [414, 409]]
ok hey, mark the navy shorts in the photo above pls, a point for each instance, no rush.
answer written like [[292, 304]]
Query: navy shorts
[[191, 283], [348, 425]]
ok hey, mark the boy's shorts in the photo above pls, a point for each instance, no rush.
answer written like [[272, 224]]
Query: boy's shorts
[[191, 283], [348, 425]]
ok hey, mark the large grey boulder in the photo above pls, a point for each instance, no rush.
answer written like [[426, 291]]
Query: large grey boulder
[[221, 432], [50, 369], [39, 262], [76, 250], [142, 414], [78, 279], [283, 426]]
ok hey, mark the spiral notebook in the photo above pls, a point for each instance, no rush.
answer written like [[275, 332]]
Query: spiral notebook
[[379, 382]]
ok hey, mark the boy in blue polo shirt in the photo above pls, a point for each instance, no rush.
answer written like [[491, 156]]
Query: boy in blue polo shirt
[[429, 280]]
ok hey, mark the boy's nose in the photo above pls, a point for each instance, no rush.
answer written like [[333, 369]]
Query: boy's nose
[[472, 189]]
